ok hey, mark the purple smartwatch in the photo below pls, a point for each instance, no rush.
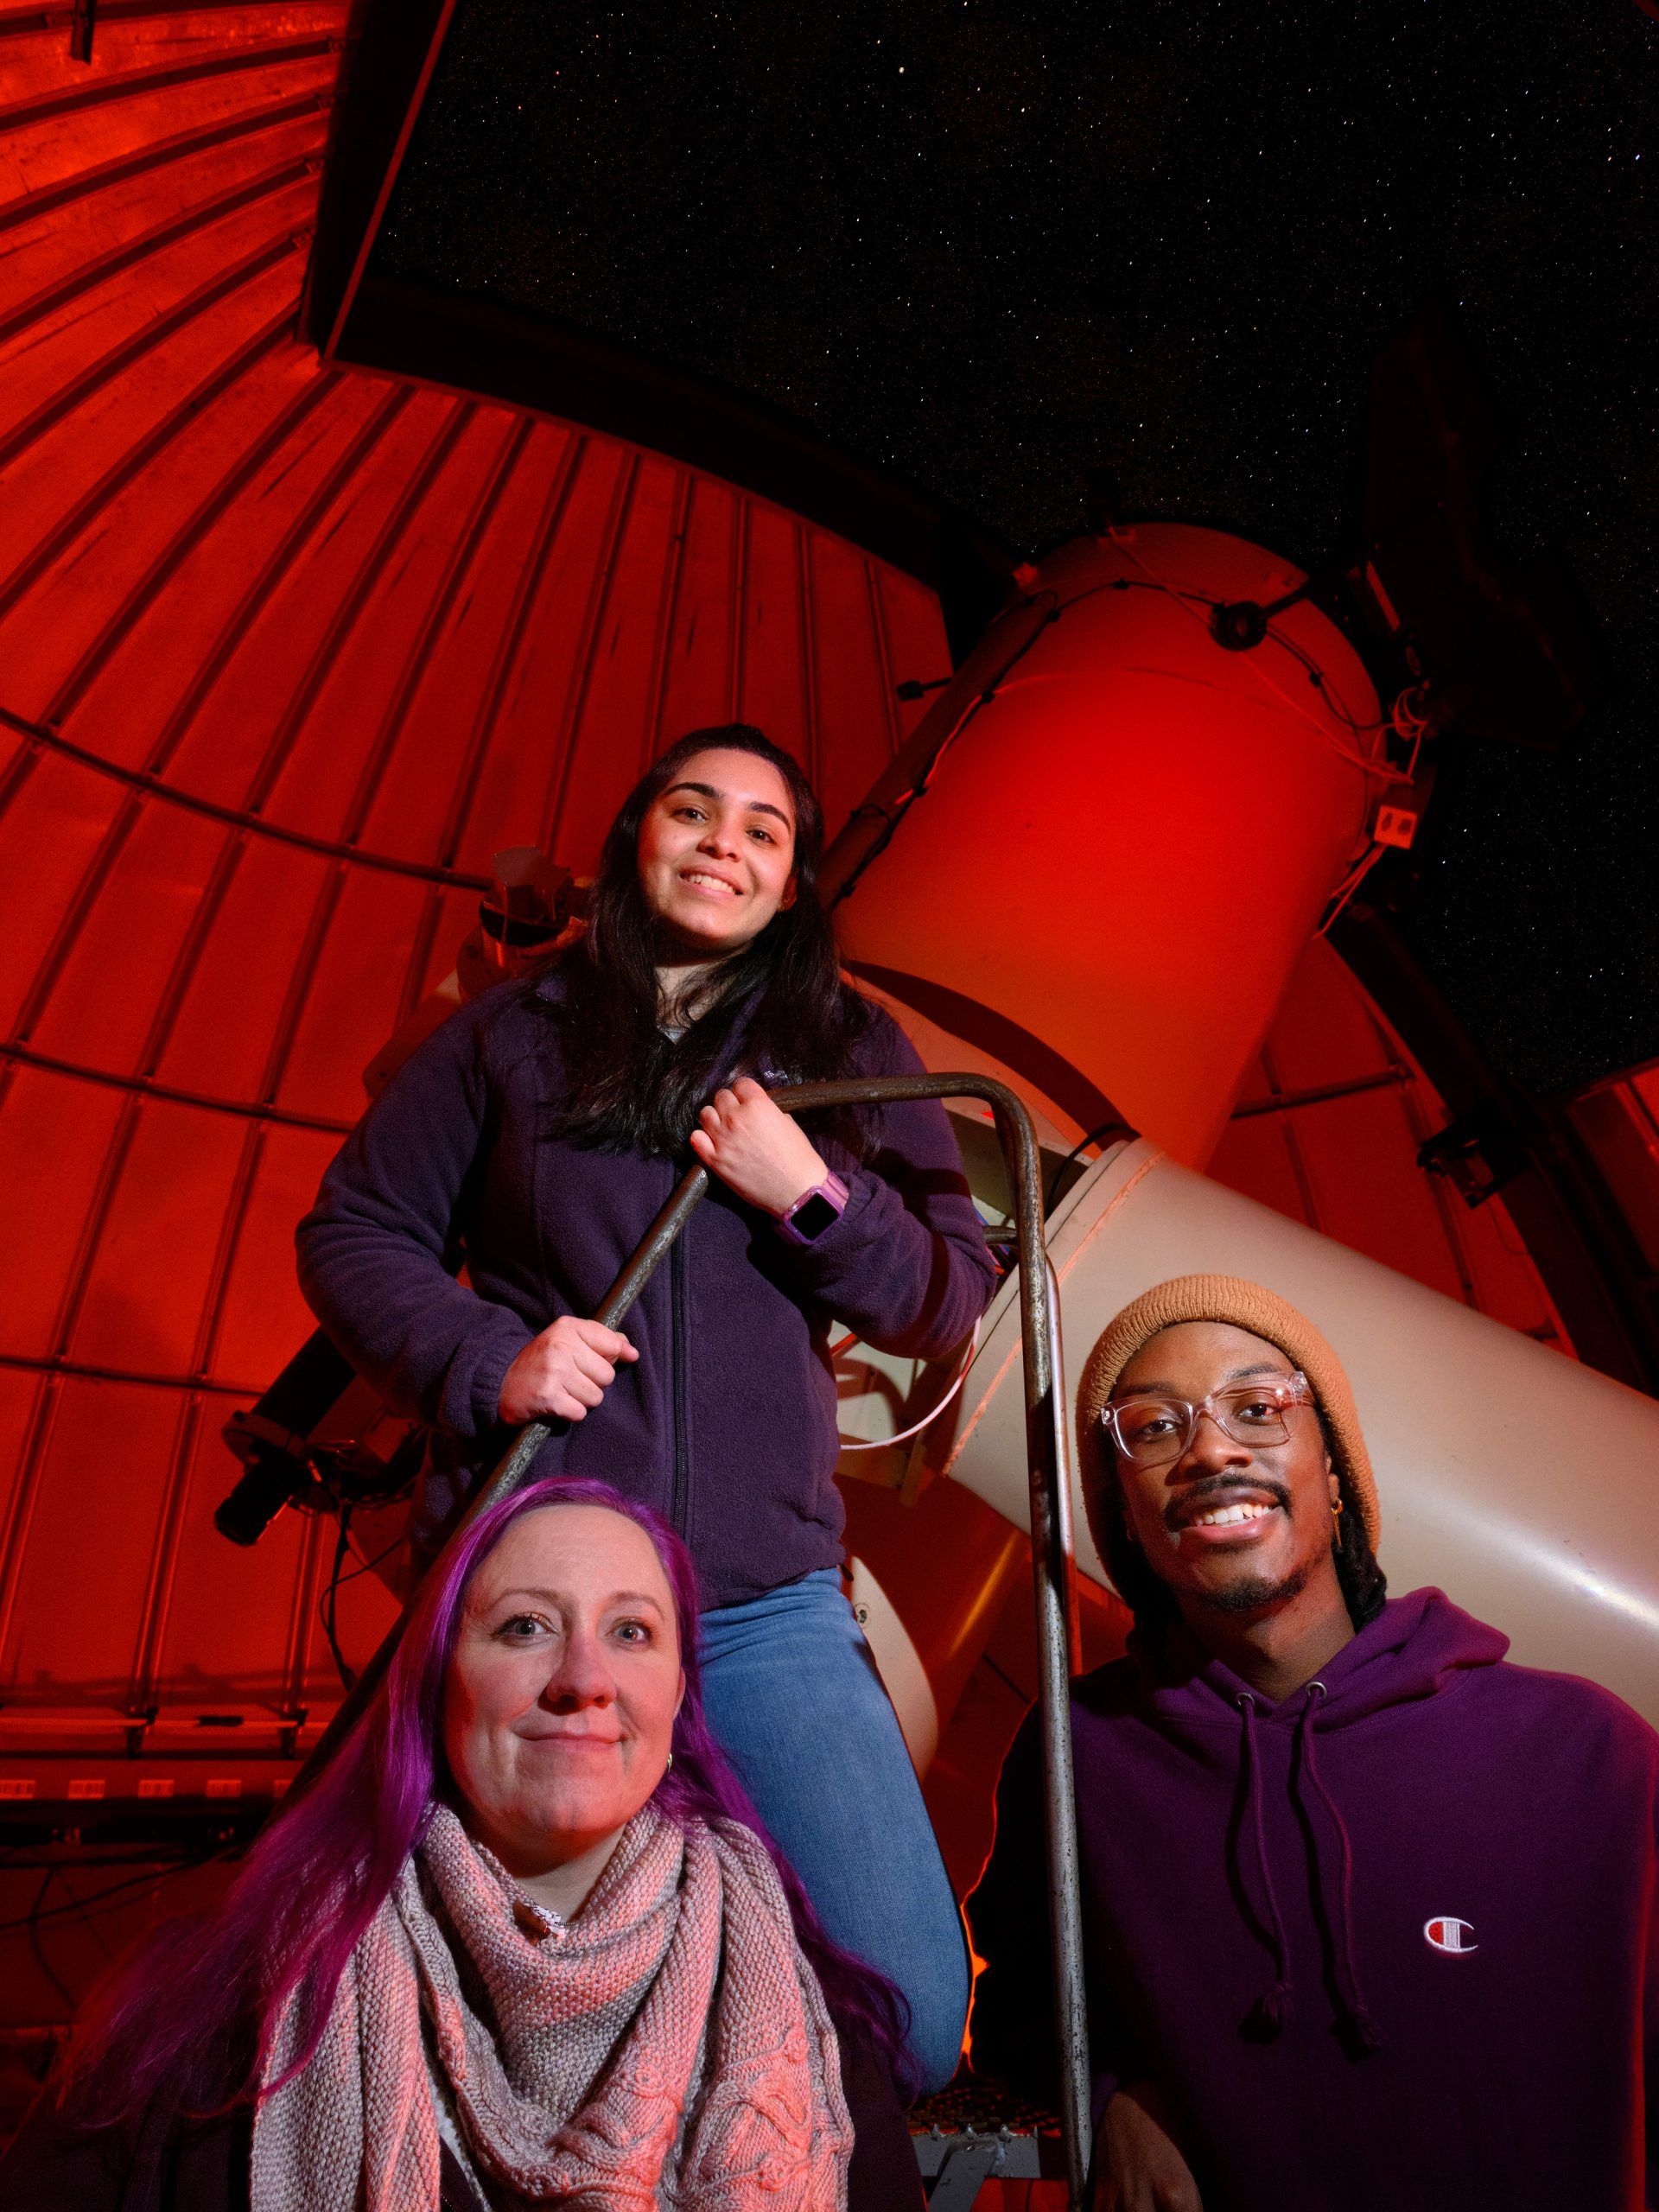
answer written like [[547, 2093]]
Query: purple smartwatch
[[814, 1210]]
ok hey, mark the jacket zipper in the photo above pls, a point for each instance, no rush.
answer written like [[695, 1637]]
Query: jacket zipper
[[678, 1280]]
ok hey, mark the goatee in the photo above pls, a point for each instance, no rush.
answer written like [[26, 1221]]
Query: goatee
[[1254, 1594]]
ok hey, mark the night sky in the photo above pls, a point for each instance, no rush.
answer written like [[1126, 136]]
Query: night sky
[[993, 247]]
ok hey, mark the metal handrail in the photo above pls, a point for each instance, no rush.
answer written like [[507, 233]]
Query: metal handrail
[[1051, 1523]]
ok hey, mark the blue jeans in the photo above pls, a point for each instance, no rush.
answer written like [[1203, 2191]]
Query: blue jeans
[[795, 1702]]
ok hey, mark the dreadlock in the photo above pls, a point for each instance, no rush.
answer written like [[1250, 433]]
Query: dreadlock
[[1364, 1586]]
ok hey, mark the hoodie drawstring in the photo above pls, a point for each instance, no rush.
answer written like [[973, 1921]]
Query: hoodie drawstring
[[1273, 2008], [1360, 2024]]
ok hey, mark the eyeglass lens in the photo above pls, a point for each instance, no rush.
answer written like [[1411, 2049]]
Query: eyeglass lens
[[1152, 1429]]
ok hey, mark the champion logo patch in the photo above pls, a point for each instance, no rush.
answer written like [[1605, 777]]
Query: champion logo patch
[[1443, 1932]]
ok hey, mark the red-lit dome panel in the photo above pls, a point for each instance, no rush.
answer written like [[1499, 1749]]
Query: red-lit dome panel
[[288, 654]]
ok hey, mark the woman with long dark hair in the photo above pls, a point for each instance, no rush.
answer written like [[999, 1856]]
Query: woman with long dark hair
[[535, 1137], [519, 1941]]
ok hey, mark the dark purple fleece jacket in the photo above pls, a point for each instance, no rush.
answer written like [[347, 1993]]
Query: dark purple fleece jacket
[[1447, 1856], [726, 1423]]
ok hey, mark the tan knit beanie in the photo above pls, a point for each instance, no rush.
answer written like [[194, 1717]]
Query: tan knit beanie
[[1247, 1306]]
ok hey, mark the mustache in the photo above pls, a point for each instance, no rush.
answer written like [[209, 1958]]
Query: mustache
[[1196, 1497]]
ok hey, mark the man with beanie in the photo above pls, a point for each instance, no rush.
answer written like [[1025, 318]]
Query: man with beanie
[[1366, 1908]]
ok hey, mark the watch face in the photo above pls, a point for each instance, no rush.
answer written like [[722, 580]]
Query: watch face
[[814, 1216]]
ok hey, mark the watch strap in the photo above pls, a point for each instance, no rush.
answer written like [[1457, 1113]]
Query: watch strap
[[832, 1192]]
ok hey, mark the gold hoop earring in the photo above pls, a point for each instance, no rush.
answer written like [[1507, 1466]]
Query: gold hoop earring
[[1336, 1509]]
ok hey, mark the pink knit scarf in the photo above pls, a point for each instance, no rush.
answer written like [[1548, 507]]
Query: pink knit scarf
[[669, 2047]]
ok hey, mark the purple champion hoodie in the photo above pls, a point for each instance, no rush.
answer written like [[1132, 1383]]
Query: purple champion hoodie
[[1386, 1945], [726, 1423]]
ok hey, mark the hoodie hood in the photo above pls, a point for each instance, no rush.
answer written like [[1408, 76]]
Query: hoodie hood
[[1419, 1646]]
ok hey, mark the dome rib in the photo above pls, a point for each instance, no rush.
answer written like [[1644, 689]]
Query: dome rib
[[328, 495], [89, 1370], [439, 609], [148, 1087], [151, 159], [337, 637], [506, 660], [551, 820], [129, 256], [136, 84], [73, 524], [37, 739], [196, 528]]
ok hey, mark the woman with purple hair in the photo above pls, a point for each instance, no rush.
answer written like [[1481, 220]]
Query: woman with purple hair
[[522, 1941]]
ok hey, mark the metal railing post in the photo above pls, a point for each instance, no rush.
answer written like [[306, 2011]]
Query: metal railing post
[[1051, 1553]]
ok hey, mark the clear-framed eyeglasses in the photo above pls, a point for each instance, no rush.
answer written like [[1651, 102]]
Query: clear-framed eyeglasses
[[1152, 1428]]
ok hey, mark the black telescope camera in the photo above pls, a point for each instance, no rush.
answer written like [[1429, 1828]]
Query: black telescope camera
[[281, 1464]]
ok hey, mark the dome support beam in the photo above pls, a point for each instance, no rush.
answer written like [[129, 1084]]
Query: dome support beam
[[51, 740]]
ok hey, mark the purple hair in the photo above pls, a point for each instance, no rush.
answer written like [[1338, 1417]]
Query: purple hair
[[181, 2013]]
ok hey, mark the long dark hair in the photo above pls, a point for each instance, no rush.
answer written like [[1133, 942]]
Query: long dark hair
[[1148, 1597], [628, 1088], [184, 2014]]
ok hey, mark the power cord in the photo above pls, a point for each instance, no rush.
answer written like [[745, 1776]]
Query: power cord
[[883, 1442]]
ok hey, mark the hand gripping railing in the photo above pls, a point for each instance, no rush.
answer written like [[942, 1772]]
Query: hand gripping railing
[[1051, 1523]]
